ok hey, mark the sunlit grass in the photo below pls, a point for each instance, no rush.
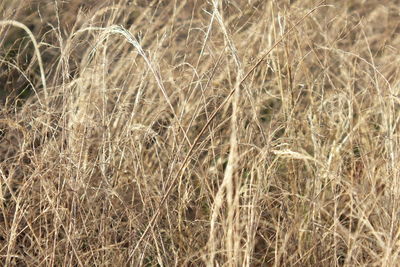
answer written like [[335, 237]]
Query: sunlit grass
[[194, 133]]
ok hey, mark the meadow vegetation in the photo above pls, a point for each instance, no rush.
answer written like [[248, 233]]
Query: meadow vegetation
[[199, 133]]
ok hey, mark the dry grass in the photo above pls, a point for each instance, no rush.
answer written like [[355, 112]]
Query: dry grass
[[200, 133]]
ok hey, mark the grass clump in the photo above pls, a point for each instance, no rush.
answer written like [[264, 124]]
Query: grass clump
[[193, 133]]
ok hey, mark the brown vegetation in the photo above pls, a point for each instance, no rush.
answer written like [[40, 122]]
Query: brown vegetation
[[192, 133]]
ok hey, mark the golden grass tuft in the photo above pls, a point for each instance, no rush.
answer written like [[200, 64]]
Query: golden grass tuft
[[199, 133]]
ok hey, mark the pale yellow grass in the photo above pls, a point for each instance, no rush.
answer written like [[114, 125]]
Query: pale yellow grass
[[199, 133]]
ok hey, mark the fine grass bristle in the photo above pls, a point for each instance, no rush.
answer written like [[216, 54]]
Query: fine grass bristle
[[199, 133]]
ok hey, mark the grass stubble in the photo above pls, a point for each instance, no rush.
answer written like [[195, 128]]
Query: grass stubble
[[199, 133]]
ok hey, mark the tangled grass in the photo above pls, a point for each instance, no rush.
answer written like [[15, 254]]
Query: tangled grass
[[194, 133]]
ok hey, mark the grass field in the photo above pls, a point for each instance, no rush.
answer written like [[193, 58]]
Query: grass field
[[199, 133]]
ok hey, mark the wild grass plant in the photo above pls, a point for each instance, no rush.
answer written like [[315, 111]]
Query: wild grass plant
[[199, 133]]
